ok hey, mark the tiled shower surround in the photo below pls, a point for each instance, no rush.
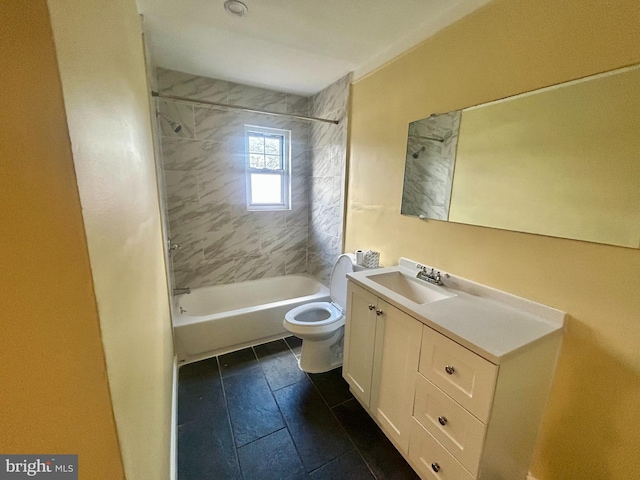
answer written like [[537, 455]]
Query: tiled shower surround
[[328, 158], [203, 165]]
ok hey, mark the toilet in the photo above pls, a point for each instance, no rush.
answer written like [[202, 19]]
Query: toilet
[[320, 325]]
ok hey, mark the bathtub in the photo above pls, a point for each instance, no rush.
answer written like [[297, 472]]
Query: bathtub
[[214, 320]]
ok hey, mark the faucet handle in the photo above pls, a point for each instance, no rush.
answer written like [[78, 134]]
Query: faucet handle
[[173, 247], [422, 272]]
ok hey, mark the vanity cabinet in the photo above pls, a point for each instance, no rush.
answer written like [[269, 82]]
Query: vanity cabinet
[[382, 348], [452, 413]]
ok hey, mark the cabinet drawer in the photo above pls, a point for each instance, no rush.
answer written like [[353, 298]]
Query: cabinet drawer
[[466, 377], [462, 433], [427, 456]]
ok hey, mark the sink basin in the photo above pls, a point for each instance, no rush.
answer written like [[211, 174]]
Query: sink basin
[[410, 288]]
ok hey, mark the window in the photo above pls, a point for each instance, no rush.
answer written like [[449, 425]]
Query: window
[[267, 167]]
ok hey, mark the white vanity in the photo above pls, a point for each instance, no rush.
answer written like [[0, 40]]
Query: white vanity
[[457, 376]]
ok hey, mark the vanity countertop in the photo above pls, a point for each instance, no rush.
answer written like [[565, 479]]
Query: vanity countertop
[[489, 322]]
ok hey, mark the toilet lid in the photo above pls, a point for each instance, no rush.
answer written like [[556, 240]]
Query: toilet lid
[[338, 284]]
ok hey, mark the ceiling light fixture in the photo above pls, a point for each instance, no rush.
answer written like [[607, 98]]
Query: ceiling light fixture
[[235, 7]]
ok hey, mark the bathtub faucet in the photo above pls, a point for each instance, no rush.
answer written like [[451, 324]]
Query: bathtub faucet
[[180, 291]]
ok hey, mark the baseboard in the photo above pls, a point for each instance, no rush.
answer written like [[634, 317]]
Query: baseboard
[[184, 359], [173, 462]]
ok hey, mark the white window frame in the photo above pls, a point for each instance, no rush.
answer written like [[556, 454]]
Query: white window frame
[[285, 172]]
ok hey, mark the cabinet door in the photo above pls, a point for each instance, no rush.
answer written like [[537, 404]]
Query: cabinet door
[[359, 341], [397, 354]]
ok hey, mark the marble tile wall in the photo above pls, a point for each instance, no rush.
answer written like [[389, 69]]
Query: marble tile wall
[[429, 166], [203, 165], [328, 156]]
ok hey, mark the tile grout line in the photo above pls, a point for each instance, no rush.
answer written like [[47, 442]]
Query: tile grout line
[[332, 460], [286, 425], [339, 422], [345, 430], [330, 409], [342, 403], [355, 447], [262, 437], [226, 405]]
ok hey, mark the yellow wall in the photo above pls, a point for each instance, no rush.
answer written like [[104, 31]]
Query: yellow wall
[[54, 395], [99, 48], [590, 430]]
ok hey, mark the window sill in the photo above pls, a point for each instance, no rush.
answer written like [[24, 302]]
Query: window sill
[[268, 208]]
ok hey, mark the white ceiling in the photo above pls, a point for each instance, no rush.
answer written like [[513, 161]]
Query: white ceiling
[[295, 46]]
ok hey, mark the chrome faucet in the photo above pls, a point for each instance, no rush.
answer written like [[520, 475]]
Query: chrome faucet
[[180, 291], [434, 276]]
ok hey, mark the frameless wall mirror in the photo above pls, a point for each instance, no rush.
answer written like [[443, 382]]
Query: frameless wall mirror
[[562, 161]]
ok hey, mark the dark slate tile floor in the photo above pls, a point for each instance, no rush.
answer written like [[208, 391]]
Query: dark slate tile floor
[[254, 415]]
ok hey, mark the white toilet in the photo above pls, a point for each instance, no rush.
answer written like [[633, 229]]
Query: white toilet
[[320, 325]]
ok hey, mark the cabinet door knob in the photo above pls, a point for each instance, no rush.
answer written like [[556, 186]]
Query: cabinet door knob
[[379, 312], [449, 369], [371, 307], [442, 420], [435, 467]]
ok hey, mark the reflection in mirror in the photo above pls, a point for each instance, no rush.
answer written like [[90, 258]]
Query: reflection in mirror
[[430, 158]]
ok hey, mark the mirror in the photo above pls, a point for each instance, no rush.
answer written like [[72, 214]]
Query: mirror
[[563, 161]]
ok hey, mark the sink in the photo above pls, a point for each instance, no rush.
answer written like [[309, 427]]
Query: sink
[[410, 288]]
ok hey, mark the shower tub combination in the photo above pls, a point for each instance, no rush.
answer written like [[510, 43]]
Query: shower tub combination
[[215, 320]]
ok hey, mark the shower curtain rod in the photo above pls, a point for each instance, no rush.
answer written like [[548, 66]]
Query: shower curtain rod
[[235, 107]]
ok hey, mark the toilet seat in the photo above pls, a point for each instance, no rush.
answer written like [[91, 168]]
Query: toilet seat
[[308, 314], [316, 315]]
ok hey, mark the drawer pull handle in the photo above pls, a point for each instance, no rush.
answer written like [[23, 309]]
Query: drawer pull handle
[[371, 307], [379, 312], [449, 369], [435, 467], [442, 421]]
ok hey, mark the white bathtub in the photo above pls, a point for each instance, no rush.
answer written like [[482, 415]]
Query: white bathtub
[[214, 320]]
